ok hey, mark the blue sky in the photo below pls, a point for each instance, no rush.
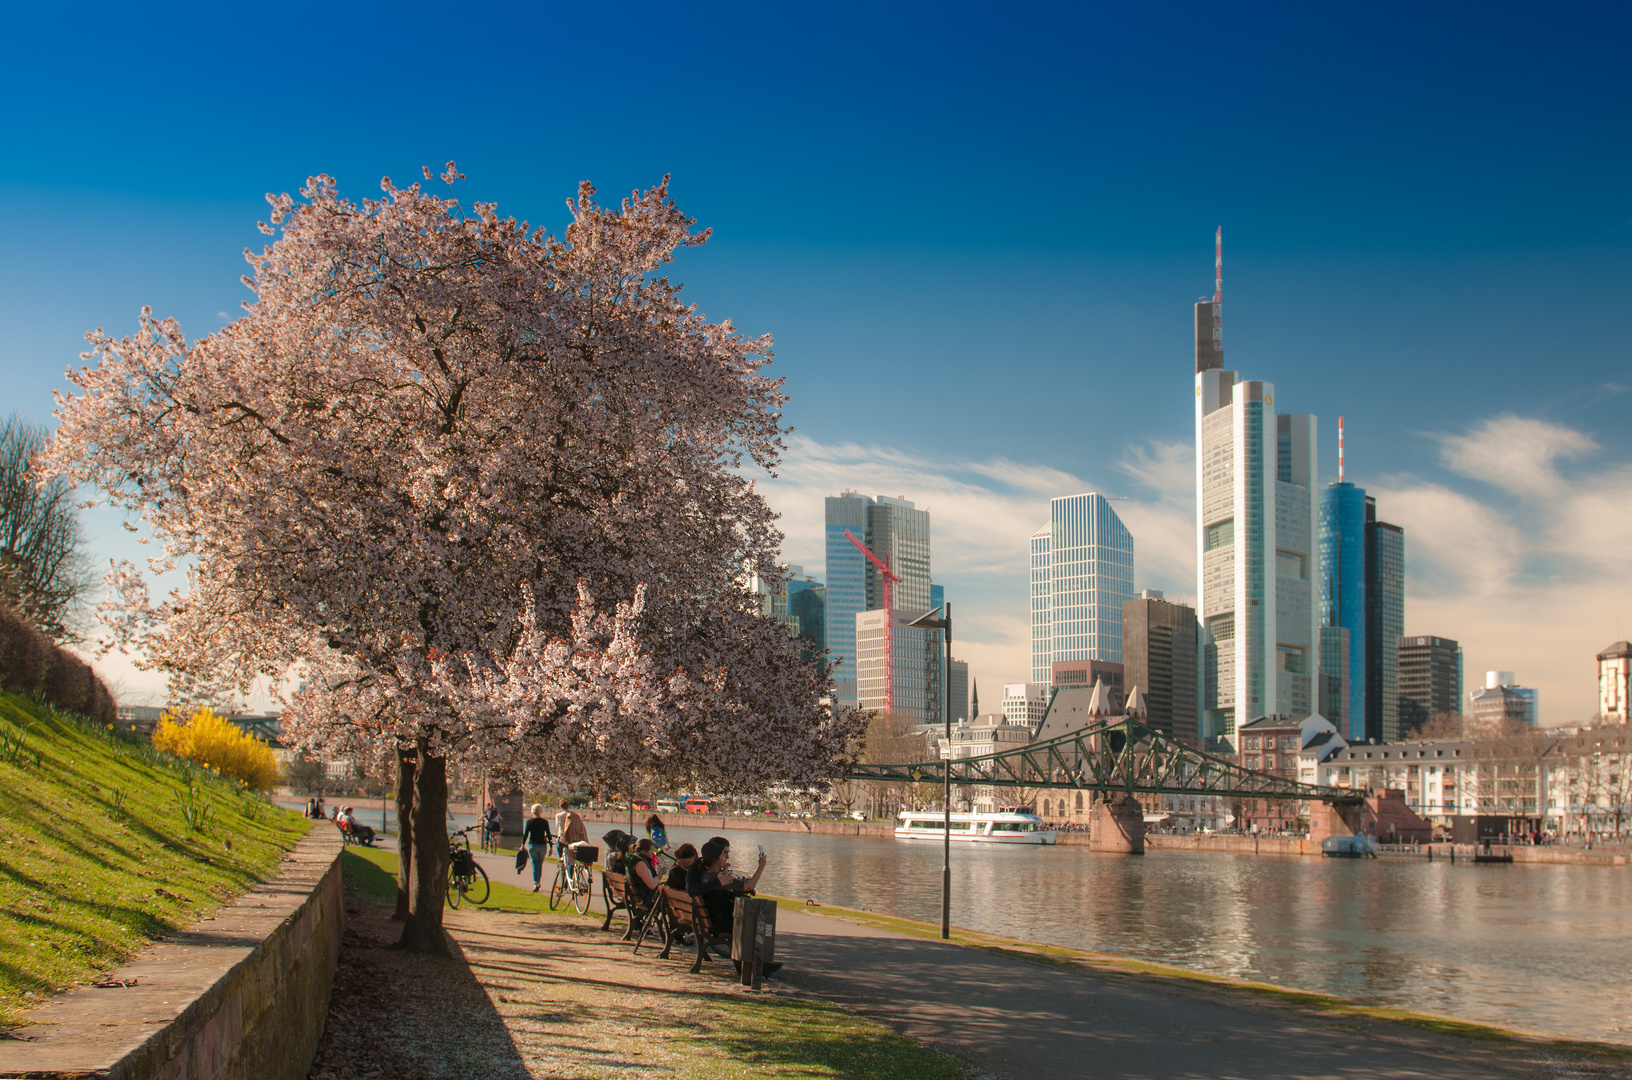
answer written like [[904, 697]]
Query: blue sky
[[975, 232]]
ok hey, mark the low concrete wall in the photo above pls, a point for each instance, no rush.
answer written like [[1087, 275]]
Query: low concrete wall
[[243, 994]]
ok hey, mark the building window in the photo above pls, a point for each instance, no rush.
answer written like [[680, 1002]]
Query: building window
[[1221, 534], [1291, 564], [1079, 800]]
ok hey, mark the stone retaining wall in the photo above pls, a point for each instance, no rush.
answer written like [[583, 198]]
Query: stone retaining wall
[[240, 996]]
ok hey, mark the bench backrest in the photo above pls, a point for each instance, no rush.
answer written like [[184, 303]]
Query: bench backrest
[[616, 884], [683, 906]]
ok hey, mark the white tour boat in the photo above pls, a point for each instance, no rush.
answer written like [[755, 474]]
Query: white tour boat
[[1003, 827]]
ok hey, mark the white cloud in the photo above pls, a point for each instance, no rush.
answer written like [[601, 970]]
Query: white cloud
[[1515, 453]]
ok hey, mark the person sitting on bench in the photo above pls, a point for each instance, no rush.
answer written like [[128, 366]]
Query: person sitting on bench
[[685, 857], [711, 879], [637, 865]]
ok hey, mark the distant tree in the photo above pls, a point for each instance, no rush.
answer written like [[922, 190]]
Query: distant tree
[[1442, 726], [304, 773], [45, 572]]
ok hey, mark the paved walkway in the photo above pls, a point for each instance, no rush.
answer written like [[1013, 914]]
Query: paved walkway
[[1021, 1020]]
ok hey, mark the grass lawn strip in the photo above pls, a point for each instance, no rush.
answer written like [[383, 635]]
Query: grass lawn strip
[[96, 860], [575, 1002], [1174, 978]]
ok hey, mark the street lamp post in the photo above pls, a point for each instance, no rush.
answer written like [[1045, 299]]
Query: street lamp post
[[941, 619]]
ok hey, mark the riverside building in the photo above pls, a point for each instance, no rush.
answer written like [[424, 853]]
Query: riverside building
[[1256, 545], [1081, 574]]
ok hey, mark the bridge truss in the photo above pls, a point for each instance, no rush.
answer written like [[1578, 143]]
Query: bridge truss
[[1118, 754]]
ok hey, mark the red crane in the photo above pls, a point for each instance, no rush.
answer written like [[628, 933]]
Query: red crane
[[889, 578]]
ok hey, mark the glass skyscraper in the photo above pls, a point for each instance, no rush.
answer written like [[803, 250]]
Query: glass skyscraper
[[1081, 574], [1385, 622], [1255, 546], [1343, 593], [898, 533]]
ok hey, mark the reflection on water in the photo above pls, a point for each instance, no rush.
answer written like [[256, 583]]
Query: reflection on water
[[1526, 946]]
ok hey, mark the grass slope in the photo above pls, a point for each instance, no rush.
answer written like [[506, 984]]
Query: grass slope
[[96, 859], [781, 1037]]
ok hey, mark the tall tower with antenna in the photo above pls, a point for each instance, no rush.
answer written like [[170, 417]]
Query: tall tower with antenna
[[1256, 554], [1210, 315]]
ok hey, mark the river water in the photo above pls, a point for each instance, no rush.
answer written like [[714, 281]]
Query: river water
[[1535, 947]]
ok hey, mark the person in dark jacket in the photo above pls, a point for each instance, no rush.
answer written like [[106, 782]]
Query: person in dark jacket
[[536, 835]]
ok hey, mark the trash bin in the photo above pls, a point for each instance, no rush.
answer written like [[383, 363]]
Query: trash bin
[[753, 936]]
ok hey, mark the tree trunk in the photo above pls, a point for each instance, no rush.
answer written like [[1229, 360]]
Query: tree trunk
[[428, 877], [405, 828]]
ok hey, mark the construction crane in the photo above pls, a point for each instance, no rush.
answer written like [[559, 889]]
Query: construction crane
[[889, 578]]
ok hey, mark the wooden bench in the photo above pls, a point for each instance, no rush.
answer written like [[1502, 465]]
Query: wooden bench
[[687, 914], [349, 835], [618, 896]]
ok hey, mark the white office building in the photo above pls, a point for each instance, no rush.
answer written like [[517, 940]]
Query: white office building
[[1025, 703], [1256, 546]]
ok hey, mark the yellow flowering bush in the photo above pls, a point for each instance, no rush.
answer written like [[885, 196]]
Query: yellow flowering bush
[[212, 740]]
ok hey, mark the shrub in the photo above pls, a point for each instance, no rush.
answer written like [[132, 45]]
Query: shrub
[[213, 741]]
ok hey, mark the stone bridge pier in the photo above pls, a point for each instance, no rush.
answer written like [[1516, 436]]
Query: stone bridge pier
[[1117, 824], [1335, 819]]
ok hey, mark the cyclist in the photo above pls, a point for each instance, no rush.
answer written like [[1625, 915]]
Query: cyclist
[[492, 826], [536, 836], [569, 829]]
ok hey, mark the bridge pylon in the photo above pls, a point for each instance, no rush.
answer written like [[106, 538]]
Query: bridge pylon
[[1117, 825]]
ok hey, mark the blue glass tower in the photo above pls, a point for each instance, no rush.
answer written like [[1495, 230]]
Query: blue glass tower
[[1343, 590]]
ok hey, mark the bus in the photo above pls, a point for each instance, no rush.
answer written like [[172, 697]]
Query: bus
[[696, 804]]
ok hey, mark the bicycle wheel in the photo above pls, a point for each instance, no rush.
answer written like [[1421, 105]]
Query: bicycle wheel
[[559, 887], [580, 889], [477, 888], [456, 889]]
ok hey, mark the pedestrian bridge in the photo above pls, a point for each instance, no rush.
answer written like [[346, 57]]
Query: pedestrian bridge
[[1114, 755]]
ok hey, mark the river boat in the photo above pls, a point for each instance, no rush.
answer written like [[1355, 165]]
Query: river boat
[[1349, 847], [1003, 827]]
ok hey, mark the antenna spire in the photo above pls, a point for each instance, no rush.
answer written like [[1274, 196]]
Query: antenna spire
[[1340, 449], [1218, 291]]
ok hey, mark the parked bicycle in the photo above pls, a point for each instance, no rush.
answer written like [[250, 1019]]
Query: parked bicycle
[[572, 876], [466, 879]]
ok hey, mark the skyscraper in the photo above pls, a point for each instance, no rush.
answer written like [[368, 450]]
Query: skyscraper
[[1385, 622], [957, 687], [1255, 543], [847, 577], [1430, 680], [1159, 657], [1081, 573], [1343, 601], [898, 534]]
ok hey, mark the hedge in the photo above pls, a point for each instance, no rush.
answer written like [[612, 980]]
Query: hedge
[[34, 665]]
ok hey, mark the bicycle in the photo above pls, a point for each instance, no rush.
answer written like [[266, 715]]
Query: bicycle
[[572, 877], [490, 837], [466, 878]]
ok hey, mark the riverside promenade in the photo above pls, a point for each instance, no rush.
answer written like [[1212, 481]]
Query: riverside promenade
[[1027, 1013]]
